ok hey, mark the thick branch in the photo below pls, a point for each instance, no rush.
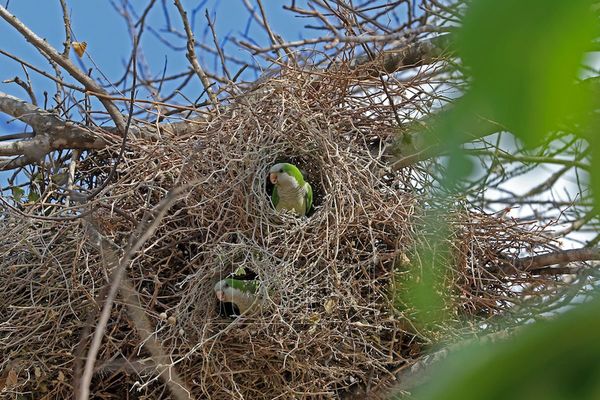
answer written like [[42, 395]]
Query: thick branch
[[52, 133], [540, 263], [415, 143], [559, 257], [401, 57], [17, 162]]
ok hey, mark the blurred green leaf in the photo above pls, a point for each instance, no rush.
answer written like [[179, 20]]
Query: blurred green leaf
[[523, 58], [17, 193], [33, 196], [557, 359], [422, 290], [459, 166], [60, 178], [595, 172]]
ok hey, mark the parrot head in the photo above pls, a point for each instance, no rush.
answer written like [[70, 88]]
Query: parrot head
[[227, 289], [285, 174]]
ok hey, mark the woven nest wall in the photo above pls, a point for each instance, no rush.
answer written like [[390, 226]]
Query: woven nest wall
[[330, 326]]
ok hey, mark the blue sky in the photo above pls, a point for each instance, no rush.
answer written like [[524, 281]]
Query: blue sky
[[109, 44]]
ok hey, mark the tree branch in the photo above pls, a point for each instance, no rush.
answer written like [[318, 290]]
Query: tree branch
[[415, 143], [119, 265], [334, 40], [52, 133], [47, 50], [539, 263], [402, 56], [533, 263], [191, 55]]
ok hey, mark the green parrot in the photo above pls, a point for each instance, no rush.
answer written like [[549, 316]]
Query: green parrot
[[243, 294], [291, 191]]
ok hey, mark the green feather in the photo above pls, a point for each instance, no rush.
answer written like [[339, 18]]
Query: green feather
[[292, 170], [309, 197], [275, 197], [244, 286]]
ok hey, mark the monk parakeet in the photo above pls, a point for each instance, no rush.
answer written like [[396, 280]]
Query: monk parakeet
[[243, 294], [291, 191]]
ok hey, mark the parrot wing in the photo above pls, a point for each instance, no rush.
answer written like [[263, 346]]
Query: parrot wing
[[275, 197], [308, 197]]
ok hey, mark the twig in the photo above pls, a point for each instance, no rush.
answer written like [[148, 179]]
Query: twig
[[334, 40], [217, 46], [145, 230], [67, 23], [113, 169], [49, 51], [191, 55], [25, 86], [41, 72]]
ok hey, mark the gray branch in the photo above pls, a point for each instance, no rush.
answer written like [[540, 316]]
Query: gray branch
[[52, 133], [416, 142], [538, 262], [400, 56]]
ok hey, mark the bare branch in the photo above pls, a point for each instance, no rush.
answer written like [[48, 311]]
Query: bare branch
[[46, 49], [52, 133], [191, 55], [540, 263], [217, 46], [163, 364], [13, 163], [25, 86], [145, 230], [414, 143], [401, 56], [534, 263], [334, 40], [67, 22], [42, 72]]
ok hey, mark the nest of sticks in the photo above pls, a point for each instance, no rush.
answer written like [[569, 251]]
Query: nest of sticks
[[331, 327]]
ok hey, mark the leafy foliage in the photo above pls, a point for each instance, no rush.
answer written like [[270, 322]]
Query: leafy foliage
[[522, 61], [547, 360]]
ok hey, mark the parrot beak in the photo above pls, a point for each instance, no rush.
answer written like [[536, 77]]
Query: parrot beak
[[220, 295], [273, 178]]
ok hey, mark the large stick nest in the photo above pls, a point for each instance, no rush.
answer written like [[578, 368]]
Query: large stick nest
[[332, 324]]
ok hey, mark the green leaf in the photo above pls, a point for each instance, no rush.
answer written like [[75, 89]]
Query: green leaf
[[17, 193], [523, 58], [422, 288], [33, 196], [555, 359], [459, 166]]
